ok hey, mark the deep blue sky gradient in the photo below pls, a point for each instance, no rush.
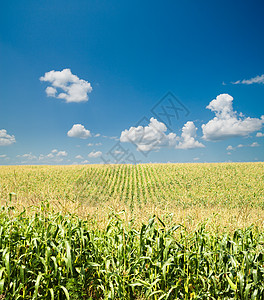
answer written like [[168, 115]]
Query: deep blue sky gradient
[[132, 53]]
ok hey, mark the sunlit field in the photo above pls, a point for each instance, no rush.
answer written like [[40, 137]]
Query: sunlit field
[[226, 196], [148, 231]]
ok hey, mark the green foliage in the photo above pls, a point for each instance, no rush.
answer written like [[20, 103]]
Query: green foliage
[[55, 256]]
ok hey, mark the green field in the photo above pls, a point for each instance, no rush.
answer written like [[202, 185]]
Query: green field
[[150, 231]]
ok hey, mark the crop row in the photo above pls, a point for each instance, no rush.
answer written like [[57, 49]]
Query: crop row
[[184, 185]]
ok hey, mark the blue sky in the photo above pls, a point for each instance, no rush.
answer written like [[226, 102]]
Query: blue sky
[[79, 80]]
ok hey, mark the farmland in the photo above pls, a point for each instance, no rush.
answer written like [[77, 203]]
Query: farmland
[[232, 194], [149, 231]]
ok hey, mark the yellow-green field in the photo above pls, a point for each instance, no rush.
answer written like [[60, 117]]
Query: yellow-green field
[[158, 231], [227, 195]]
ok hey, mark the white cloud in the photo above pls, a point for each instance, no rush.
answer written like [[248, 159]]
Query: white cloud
[[111, 137], [118, 152], [78, 157], [85, 162], [54, 156], [96, 144], [3, 155], [188, 137], [196, 158], [153, 136], [149, 137], [97, 135], [78, 131], [227, 123], [28, 156], [73, 88], [51, 91], [255, 144], [257, 79], [62, 154], [230, 148], [94, 154], [6, 139], [229, 153], [260, 134]]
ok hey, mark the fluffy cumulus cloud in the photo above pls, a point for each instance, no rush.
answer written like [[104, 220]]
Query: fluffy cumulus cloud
[[257, 79], [260, 134], [79, 131], [6, 139], [153, 136], [94, 154], [227, 123], [150, 137], [65, 85], [230, 148], [188, 136]]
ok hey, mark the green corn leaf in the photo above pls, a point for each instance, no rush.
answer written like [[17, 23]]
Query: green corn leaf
[[37, 286], [65, 292], [232, 285]]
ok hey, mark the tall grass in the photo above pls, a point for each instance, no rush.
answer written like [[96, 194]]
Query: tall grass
[[48, 255]]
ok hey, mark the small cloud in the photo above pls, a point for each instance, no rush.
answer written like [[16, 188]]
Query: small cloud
[[94, 154], [260, 134], [78, 157], [255, 144], [28, 156], [54, 151], [118, 152], [236, 82], [62, 153], [6, 139], [96, 144], [230, 148], [3, 155], [257, 79], [72, 88], [229, 153], [97, 135], [78, 131], [85, 162], [111, 137], [196, 158]]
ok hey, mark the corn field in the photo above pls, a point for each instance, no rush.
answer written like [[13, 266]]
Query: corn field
[[89, 232]]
